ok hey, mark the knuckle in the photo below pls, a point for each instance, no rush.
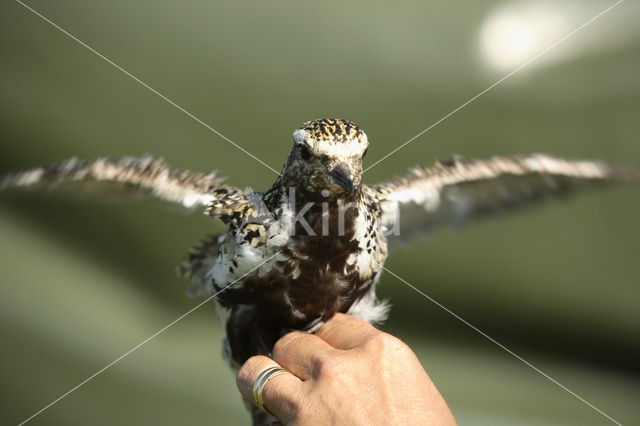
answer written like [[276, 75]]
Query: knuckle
[[339, 316], [383, 343], [285, 343], [246, 372], [340, 319]]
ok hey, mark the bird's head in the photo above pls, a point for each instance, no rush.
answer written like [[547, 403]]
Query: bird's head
[[327, 156]]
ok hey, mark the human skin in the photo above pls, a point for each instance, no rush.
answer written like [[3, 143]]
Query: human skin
[[347, 373]]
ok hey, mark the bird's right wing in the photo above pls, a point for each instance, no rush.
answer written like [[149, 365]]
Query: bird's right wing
[[460, 190], [125, 175]]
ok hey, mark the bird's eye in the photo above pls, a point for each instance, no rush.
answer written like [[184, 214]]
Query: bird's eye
[[304, 152]]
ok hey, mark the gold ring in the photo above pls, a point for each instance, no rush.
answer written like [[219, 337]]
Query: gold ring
[[259, 384]]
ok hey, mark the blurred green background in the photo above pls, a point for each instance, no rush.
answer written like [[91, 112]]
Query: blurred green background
[[83, 281]]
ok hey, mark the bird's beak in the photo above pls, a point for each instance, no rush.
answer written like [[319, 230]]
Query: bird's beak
[[341, 175]]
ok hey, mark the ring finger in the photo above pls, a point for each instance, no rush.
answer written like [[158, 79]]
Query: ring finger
[[281, 396]]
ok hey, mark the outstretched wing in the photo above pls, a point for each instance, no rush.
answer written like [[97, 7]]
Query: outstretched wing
[[137, 174], [458, 190]]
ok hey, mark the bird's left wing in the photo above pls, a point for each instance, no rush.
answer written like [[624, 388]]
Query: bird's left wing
[[458, 190], [125, 175]]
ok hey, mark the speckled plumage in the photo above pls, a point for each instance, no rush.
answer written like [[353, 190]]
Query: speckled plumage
[[313, 243]]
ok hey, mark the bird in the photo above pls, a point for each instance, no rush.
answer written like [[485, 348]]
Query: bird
[[314, 243]]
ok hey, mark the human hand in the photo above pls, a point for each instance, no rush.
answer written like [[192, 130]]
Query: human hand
[[347, 373]]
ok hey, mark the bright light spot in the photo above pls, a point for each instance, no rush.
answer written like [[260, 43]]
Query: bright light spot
[[516, 32], [518, 40]]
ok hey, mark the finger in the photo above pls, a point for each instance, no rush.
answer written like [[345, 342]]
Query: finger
[[345, 332], [298, 352], [282, 395]]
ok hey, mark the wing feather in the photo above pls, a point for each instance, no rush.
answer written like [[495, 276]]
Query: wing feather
[[459, 190], [144, 174]]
